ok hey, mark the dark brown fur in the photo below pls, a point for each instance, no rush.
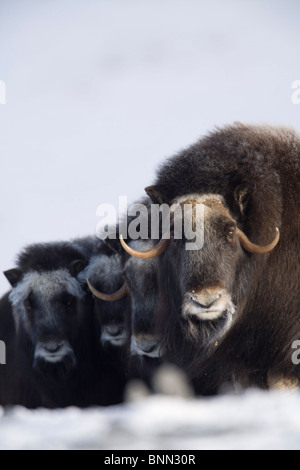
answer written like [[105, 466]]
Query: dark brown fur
[[257, 171]]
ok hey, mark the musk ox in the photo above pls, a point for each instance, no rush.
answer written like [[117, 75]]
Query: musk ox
[[50, 337], [141, 281], [142, 284], [49, 328], [104, 275], [110, 303], [230, 312]]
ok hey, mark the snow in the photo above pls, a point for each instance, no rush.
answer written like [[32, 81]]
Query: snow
[[98, 94], [253, 420]]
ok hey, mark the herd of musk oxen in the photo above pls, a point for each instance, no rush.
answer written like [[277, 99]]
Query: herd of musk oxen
[[84, 317]]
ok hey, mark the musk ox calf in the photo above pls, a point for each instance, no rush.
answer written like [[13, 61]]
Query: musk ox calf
[[230, 312], [49, 330]]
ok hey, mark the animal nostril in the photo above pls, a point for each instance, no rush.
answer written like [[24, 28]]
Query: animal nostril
[[147, 346], [205, 305], [53, 347], [114, 330], [142, 346]]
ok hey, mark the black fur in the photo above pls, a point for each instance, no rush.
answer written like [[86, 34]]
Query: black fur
[[35, 383]]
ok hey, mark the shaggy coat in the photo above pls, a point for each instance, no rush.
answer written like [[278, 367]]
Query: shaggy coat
[[48, 311], [256, 172]]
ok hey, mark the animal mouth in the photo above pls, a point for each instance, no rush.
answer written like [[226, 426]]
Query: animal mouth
[[221, 306], [207, 315], [113, 334], [54, 358], [55, 366], [120, 341]]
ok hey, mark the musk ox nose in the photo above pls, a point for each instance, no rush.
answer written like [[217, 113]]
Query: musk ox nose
[[53, 355], [114, 330], [145, 346], [113, 334], [53, 347]]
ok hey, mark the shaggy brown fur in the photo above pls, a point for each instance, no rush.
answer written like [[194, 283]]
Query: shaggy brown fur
[[257, 171]]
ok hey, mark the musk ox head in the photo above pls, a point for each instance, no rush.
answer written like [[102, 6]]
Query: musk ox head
[[202, 289], [106, 282], [48, 313]]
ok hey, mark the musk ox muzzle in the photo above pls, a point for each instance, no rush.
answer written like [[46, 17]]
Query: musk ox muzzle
[[208, 304], [145, 345], [54, 355], [113, 334]]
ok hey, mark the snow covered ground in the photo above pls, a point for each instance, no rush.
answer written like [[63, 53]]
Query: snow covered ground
[[98, 93], [254, 420]]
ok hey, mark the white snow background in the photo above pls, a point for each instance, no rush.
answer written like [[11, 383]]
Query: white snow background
[[98, 93]]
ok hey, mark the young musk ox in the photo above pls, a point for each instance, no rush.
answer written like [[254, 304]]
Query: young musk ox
[[230, 312], [105, 279], [48, 327]]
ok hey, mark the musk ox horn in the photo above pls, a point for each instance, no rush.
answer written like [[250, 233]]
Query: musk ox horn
[[252, 248], [156, 251], [108, 297]]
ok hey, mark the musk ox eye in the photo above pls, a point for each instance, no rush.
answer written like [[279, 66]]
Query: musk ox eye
[[230, 233]]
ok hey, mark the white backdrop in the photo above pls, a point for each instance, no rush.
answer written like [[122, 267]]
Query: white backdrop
[[100, 92]]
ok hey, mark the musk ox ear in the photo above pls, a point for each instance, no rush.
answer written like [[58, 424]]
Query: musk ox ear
[[157, 194], [242, 195], [77, 266], [13, 276]]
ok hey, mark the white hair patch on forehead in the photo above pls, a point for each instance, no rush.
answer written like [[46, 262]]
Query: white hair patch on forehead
[[47, 285], [102, 267], [199, 198]]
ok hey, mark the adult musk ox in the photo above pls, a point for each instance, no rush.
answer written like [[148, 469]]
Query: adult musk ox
[[104, 275], [231, 310], [49, 330]]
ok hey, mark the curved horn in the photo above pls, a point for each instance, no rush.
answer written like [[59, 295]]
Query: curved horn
[[252, 248], [156, 251], [108, 297]]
